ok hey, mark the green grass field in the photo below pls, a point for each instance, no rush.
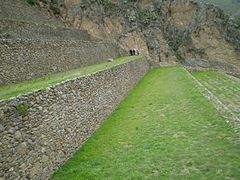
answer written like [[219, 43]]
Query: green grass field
[[164, 129], [8, 91], [225, 88]]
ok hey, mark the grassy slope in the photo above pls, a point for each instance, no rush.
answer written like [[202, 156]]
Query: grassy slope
[[225, 88], [219, 78], [13, 90], [164, 129]]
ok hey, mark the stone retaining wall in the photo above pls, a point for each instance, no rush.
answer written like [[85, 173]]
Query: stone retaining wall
[[27, 59], [41, 130], [25, 30], [20, 10], [193, 65]]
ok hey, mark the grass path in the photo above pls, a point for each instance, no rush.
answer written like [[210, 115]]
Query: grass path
[[8, 91], [164, 129]]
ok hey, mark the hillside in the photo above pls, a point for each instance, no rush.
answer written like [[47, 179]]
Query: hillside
[[194, 34], [232, 7]]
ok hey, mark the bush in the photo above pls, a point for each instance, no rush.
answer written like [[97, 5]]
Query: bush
[[22, 109], [110, 7], [32, 2], [179, 57], [237, 20], [146, 16]]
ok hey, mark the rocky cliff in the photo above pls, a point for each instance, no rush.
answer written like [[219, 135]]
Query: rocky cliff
[[169, 31]]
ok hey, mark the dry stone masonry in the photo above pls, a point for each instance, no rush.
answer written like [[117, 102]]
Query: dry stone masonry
[[41, 130], [12, 29], [24, 59]]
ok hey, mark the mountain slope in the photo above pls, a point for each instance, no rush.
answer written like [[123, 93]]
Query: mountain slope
[[232, 7], [200, 35], [196, 34]]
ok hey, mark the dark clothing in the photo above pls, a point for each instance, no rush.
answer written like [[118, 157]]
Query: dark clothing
[[130, 53], [134, 52]]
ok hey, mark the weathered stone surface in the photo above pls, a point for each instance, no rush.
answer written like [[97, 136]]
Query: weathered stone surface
[[35, 169], [22, 148], [1, 128], [18, 135], [60, 119], [45, 159]]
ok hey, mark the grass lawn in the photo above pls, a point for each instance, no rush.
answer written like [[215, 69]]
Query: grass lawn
[[225, 88], [164, 129], [8, 91]]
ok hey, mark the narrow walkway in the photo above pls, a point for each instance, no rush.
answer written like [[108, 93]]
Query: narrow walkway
[[164, 129], [13, 90]]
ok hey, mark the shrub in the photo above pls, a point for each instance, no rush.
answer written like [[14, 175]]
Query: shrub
[[179, 57], [110, 7], [146, 16], [32, 2], [237, 20], [22, 109]]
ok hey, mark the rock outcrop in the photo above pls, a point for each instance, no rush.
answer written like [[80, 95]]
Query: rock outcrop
[[168, 31]]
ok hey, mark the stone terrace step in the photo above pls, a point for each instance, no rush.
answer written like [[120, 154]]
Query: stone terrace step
[[20, 10], [10, 29], [26, 87], [24, 59]]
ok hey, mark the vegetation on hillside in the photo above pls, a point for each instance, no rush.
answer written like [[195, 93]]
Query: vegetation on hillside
[[232, 7], [32, 2]]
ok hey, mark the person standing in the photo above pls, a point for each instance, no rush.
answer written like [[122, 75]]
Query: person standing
[[130, 52], [134, 52]]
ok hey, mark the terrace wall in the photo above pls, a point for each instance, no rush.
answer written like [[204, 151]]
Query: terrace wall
[[25, 59], [41, 130], [10, 29]]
